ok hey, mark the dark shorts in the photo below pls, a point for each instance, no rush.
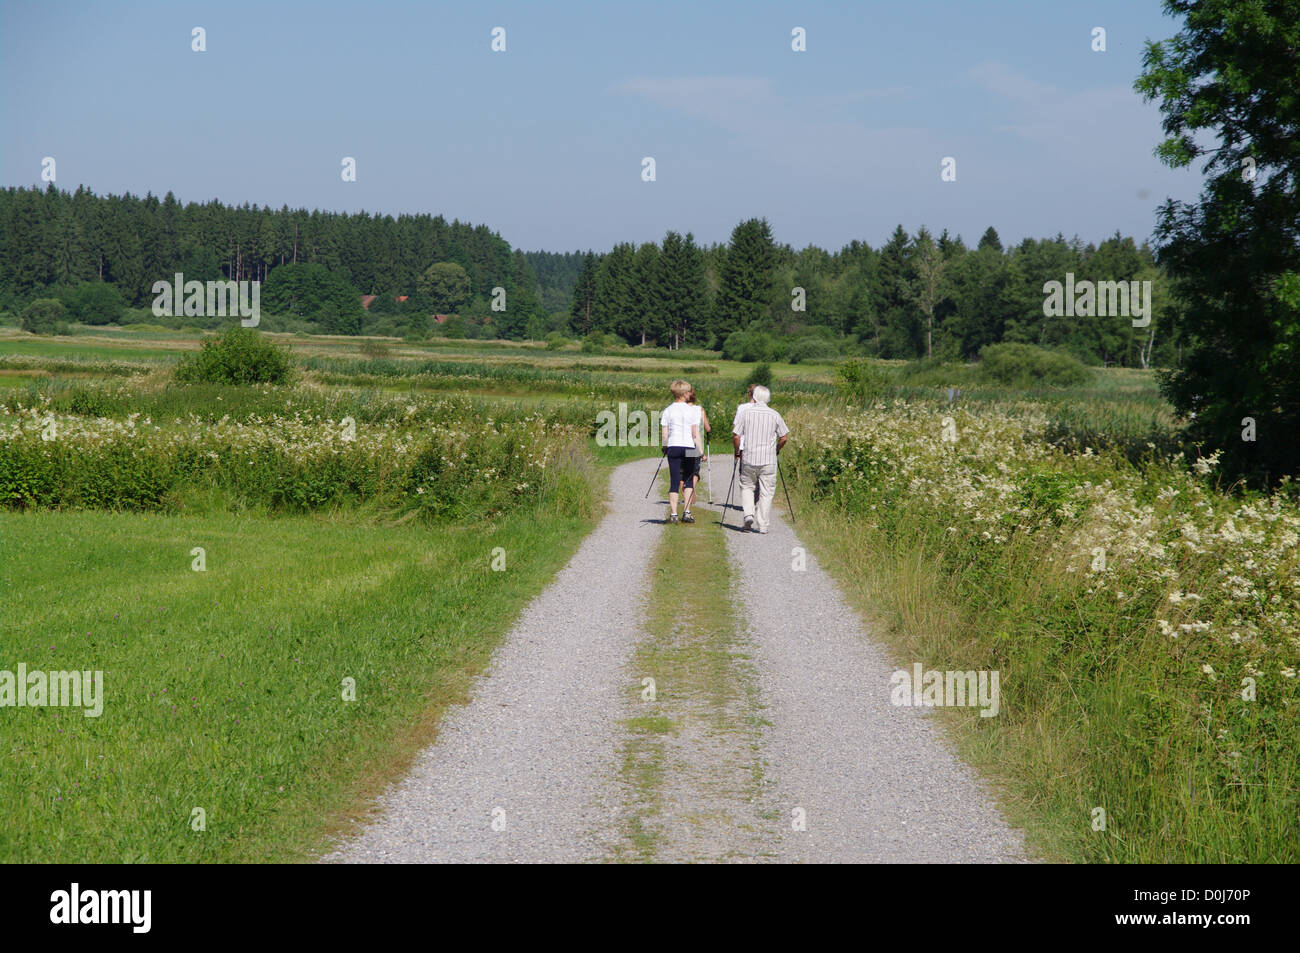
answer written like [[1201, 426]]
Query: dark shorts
[[681, 466]]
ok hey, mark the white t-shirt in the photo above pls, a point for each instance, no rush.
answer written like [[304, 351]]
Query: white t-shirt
[[679, 417]]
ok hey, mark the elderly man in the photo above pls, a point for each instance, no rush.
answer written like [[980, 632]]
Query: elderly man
[[735, 424], [763, 432]]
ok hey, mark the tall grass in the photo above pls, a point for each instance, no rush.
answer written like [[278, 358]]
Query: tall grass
[[1142, 621]]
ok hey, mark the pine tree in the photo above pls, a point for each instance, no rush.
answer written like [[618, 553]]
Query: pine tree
[[646, 297], [584, 293], [748, 272], [897, 333], [990, 239], [612, 300], [685, 289]]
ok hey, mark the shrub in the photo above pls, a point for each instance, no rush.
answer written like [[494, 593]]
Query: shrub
[[453, 327], [375, 349], [41, 316], [751, 346], [96, 302], [1024, 365], [760, 376], [936, 372], [598, 340], [240, 356], [555, 340], [861, 381]]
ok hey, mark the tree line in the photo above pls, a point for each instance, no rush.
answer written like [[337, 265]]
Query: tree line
[[916, 296], [52, 240]]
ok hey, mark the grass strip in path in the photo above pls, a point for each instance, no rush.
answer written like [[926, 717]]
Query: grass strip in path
[[692, 760]]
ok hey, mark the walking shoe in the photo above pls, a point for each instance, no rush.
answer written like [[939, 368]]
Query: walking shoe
[[749, 522], [687, 517], [672, 518]]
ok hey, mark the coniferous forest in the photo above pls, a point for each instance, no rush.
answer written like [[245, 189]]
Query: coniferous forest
[[921, 295]]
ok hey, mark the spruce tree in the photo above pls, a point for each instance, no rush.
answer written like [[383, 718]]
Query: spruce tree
[[584, 293], [748, 272]]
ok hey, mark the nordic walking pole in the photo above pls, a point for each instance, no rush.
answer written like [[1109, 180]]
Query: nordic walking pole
[[708, 462], [788, 505], [656, 476], [727, 505]]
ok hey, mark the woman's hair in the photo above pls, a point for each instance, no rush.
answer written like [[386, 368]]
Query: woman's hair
[[690, 396], [749, 391], [679, 388]]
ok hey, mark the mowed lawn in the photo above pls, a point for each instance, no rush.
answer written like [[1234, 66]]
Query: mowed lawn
[[223, 689]]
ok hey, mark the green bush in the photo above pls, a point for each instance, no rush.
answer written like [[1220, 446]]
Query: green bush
[[96, 302], [761, 375], [936, 372], [453, 327], [749, 346], [240, 356], [1024, 365], [555, 340], [598, 341], [861, 381], [42, 315]]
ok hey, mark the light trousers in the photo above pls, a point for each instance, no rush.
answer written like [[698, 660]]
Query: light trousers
[[765, 477]]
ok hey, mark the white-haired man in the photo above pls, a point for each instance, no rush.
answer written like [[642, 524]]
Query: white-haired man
[[764, 433]]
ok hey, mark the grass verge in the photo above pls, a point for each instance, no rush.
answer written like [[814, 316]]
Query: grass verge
[[223, 688]]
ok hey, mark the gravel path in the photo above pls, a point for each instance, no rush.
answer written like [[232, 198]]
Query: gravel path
[[537, 745], [876, 783], [541, 749]]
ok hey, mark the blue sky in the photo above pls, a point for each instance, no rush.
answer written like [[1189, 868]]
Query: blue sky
[[544, 142]]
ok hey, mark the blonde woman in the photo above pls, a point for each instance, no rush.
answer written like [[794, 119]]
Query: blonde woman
[[680, 438]]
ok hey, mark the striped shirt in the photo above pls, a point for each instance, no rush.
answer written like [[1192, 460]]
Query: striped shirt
[[759, 428], [735, 421]]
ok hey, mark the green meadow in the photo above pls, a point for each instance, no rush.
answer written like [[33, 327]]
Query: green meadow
[[966, 531]]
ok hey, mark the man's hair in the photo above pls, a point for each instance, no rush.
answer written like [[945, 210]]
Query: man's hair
[[679, 388], [761, 394]]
